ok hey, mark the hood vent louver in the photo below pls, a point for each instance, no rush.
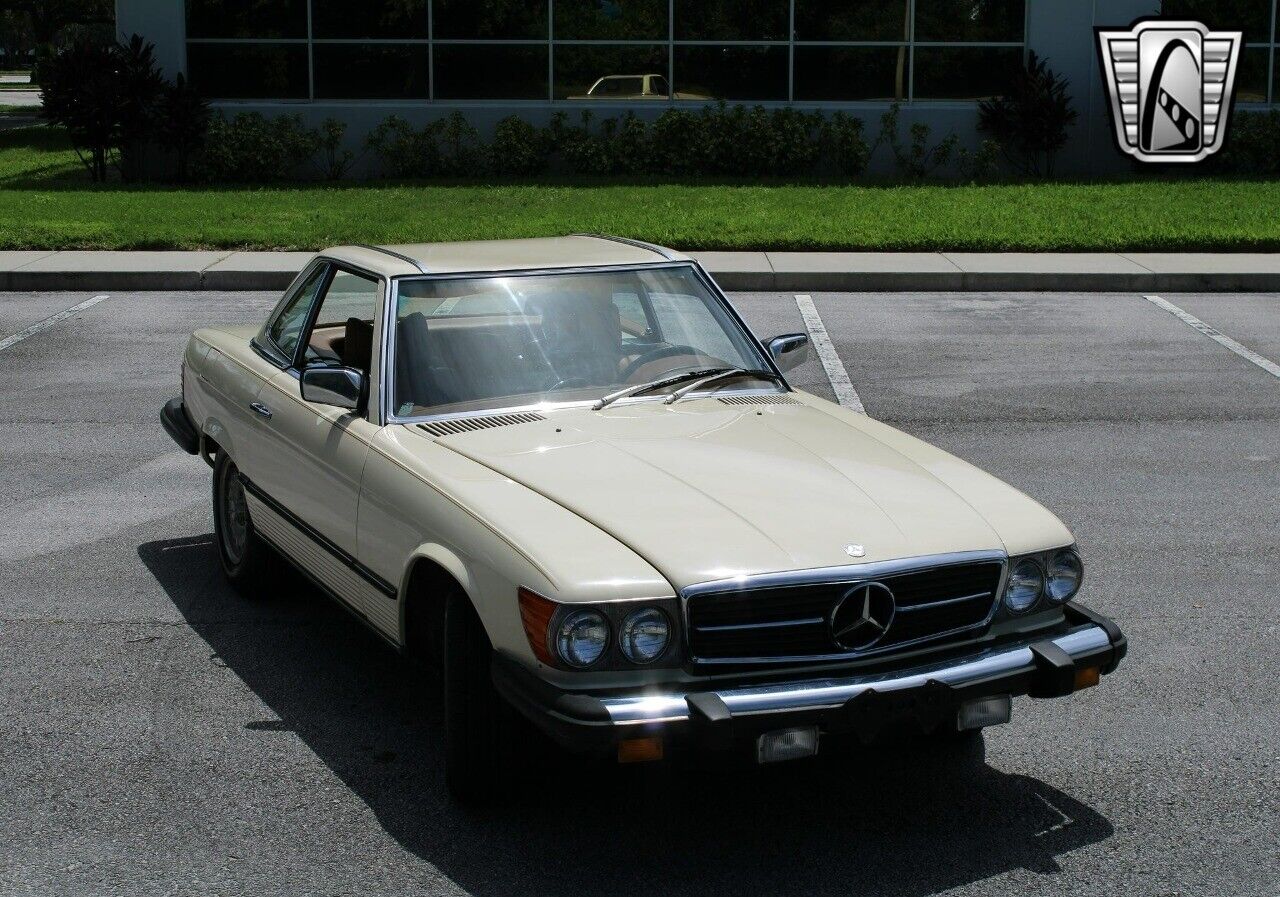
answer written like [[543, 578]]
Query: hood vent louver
[[759, 400], [470, 424]]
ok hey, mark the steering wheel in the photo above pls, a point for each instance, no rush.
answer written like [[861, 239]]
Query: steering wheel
[[655, 355]]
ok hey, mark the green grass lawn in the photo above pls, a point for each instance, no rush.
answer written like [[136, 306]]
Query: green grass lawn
[[46, 202]]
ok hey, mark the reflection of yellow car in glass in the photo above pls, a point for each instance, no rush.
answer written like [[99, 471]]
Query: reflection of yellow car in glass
[[634, 87]]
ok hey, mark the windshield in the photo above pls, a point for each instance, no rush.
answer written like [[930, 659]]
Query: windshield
[[499, 342]]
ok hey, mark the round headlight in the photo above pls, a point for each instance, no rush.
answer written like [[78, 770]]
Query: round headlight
[[582, 637], [1064, 576], [1026, 582], [645, 635]]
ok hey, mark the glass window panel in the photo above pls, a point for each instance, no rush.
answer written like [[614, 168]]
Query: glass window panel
[[858, 20], [611, 19], [248, 71], [377, 18], [348, 296], [286, 329], [1253, 17], [626, 72], [732, 19], [964, 73], [371, 71], [1251, 80], [491, 72], [970, 20], [247, 18], [851, 73], [731, 73], [490, 19]]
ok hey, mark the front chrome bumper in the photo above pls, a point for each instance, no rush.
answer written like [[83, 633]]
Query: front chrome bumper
[[829, 694], [1041, 666]]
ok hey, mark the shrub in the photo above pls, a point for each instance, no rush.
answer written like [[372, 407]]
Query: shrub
[[84, 92], [518, 147], [333, 159], [982, 164], [1251, 144], [251, 148], [918, 159], [182, 123], [675, 141], [402, 151], [460, 151], [1031, 122], [843, 135], [141, 88]]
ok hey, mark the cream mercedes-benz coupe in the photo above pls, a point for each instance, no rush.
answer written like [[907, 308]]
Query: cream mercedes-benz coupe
[[565, 471]]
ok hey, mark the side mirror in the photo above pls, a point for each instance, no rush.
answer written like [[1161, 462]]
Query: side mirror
[[341, 387], [789, 351]]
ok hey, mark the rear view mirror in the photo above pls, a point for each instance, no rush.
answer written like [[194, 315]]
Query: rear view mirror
[[789, 351], [337, 386]]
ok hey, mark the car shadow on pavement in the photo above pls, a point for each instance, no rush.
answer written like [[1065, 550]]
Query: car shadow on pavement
[[904, 822]]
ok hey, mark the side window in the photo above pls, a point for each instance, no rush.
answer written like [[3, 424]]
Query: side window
[[343, 329], [286, 329]]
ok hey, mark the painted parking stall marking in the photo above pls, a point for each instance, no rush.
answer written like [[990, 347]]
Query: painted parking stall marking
[[1221, 338], [49, 322], [846, 395]]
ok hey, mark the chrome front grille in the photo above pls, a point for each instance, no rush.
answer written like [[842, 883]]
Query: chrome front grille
[[773, 620]]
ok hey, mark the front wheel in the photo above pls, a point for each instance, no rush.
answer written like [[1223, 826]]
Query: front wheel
[[482, 741], [244, 556]]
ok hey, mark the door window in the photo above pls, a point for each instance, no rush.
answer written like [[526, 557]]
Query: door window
[[343, 330]]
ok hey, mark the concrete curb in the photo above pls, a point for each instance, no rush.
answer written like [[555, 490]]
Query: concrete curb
[[226, 270]]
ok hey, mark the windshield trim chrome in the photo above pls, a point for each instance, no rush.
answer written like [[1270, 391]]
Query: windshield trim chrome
[[387, 367]]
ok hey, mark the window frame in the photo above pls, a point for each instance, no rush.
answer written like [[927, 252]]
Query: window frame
[[550, 42], [387, 371]]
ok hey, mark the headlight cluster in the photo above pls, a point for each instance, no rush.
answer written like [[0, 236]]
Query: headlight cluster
[[580, 637], [1054, 577]]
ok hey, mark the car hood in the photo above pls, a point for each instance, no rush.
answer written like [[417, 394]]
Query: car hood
[[703, 490]]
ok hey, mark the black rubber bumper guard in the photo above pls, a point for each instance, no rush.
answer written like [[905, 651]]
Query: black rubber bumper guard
[[177, 423], [581, 722]]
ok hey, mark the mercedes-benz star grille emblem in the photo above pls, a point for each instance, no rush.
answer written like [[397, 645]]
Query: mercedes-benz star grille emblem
[[863, 616]]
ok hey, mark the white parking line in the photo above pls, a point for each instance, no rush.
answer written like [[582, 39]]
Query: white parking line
[[1218, 337], [49, 322], [846, 395]]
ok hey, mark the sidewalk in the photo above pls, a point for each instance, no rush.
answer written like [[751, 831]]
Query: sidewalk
[[757, 271]]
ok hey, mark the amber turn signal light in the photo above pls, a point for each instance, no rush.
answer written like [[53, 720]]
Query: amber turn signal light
[[640, 750], [1087, 677], [536, 613]]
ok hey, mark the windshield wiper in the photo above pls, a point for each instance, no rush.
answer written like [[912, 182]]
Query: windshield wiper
[[669, 380], [726, 374]]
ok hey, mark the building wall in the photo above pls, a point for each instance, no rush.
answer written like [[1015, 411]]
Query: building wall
[[1060, 31]]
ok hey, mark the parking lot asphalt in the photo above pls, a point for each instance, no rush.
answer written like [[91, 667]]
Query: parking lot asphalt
[[164, 736]]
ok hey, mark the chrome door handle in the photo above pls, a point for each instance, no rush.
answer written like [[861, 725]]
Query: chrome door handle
[[259, 408]]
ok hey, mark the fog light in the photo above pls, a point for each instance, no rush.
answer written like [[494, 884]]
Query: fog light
[[1087, 677], [640, 750], [992, 711], [787, 744]]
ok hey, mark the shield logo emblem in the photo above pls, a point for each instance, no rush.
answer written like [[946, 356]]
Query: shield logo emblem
[[1171, 85]]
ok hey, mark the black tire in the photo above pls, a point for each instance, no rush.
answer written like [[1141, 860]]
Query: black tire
[[246, 558], [483, 733]]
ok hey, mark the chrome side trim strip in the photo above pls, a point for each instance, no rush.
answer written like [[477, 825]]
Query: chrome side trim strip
[[830, 693]]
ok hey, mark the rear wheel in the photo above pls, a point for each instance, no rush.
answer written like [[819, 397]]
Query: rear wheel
[[483, 739], [244, 556]]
